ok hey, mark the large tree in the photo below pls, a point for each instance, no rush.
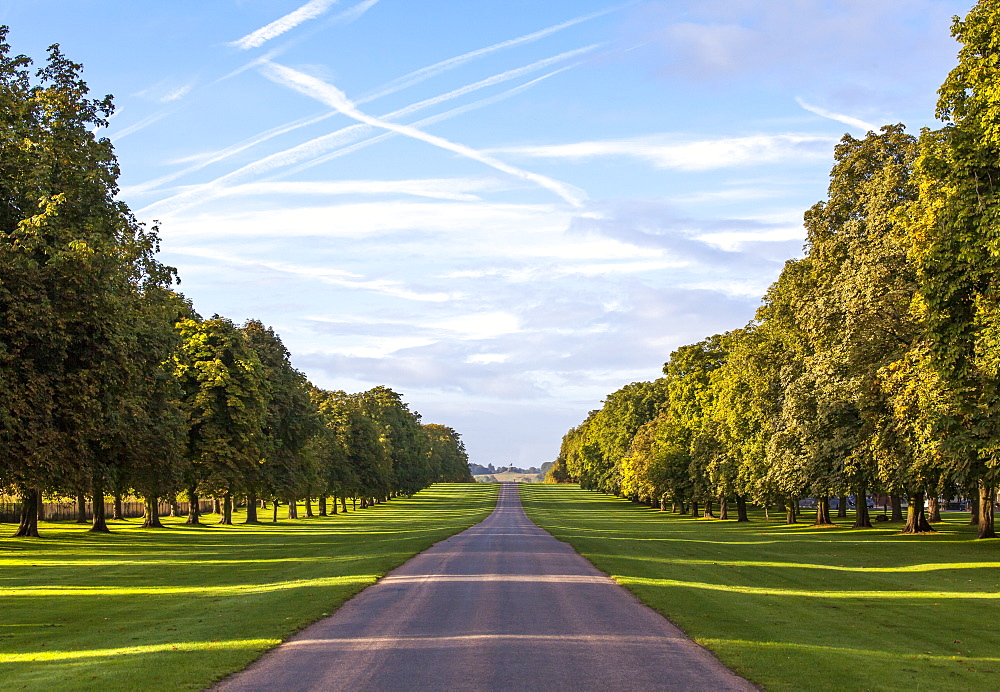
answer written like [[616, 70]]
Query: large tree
[[224, 396], [72, 260], [957, 246]]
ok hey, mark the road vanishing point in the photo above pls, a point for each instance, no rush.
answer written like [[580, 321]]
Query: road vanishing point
[[500, 606]]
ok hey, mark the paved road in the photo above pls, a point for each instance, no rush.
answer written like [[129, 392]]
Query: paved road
[[501, 606]]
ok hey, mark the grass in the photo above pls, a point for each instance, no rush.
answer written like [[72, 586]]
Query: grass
[[797, 607], [182, 607]]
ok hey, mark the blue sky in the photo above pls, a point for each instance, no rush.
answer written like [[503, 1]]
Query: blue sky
[[503, 209]]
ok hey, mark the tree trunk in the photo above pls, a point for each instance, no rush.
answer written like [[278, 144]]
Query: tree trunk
[[663, 504], [343, 503], [708, 510], [974, 508], [916, 520], [100, 524], [293, 509], [251, 509], [41, 507], [151, 512], [694, 510], [986, 529], [862, 520], [354, 504], [216, 506], [309, 507], [226, 509], [933, 509], [81, 509], [842, 507], [723, 507], [175, 509], [322, 505], [364, 503], [823, 511], [333, 505], [684, 507], [28, 526], [193, 507], [741, 509], [274, 516], [897, 508], [790, 513], [117, 512]]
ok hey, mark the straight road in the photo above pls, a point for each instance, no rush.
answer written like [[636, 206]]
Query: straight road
[[501, 606]]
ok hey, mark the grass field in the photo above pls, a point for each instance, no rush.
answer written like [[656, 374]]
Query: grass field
[[181, 607], [795, 607]]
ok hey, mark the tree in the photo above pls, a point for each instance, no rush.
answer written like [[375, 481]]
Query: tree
[[449, 461], [224, 398], [72, 260], [290, 421], [958, 254]]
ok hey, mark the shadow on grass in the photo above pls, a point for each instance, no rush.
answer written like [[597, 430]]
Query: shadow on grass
[[183, 606], [799, 607]]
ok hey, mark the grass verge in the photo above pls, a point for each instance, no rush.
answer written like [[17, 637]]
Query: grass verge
[[796, 607], [181, 607]]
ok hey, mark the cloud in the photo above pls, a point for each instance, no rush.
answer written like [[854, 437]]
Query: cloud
[[457, 189], [323, 274], [335, 98], [846, 119], [311, 10], [671, 152], [857, 53]]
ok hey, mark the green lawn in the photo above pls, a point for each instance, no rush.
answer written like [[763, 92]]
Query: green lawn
[[793, 607], [181, 607]]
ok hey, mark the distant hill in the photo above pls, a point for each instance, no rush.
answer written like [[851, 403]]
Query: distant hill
[[509, 476]]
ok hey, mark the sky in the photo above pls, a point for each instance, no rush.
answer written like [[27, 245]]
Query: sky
[[502, 209]]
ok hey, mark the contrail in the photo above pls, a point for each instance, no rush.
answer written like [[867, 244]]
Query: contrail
[[335, 98], [227, 152], [437, 68], [840, 118], [336, 139], [311, 10], [385, 90], [337, 153]]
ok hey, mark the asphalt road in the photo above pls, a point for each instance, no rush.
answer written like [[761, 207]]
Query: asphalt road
[[501, 606]]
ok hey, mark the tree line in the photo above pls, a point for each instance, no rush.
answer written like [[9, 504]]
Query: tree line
[[111, 383], [873, 362]]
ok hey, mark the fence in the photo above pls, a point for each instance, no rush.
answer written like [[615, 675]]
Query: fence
[[54, 511]]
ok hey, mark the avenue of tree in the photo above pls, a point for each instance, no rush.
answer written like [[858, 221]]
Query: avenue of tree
[[111, 384], [873, 363]]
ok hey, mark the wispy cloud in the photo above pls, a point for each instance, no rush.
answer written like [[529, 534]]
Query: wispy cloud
[[455, 189], [839, 117], [311, 10], [699, 155], [335, 98], [327, 275]]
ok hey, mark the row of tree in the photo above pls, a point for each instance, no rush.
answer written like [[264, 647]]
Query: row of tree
[[873, 364], [110, 382]]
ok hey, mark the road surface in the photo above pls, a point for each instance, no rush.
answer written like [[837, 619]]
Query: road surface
[[501, 606]]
